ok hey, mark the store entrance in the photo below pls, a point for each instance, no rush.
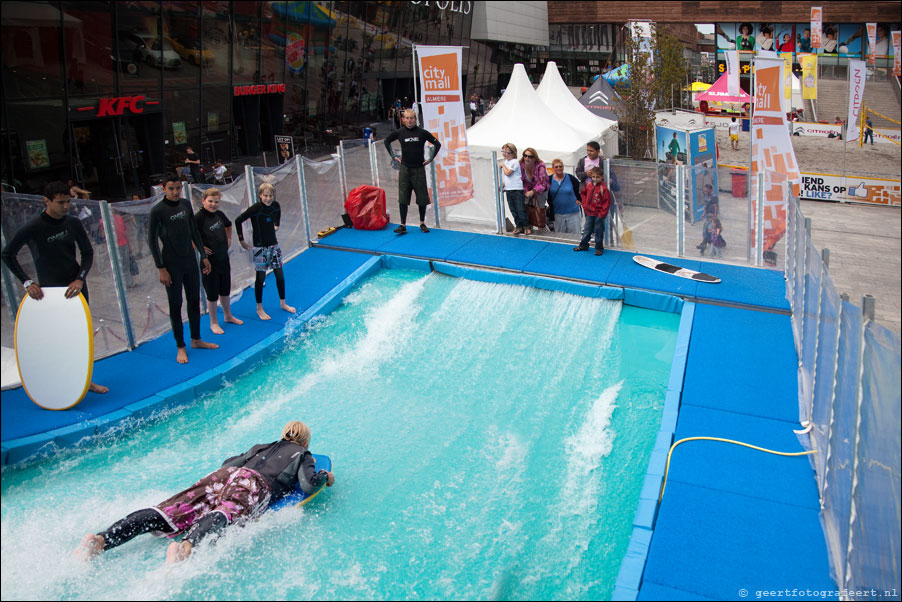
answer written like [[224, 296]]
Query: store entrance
[[257, 119], [115, 156]]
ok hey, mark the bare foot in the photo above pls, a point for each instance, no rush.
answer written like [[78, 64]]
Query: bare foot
[[233, 320], [216, 329], [178, 551], [95, 388], [287, 307], [262, 314], [182, 356], [198, 344], [91, 545]]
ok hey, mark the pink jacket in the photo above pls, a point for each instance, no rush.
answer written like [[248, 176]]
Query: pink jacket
[[539, 182]]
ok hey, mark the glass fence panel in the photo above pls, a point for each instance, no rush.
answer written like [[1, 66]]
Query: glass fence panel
[[325, 204], [357, 163]]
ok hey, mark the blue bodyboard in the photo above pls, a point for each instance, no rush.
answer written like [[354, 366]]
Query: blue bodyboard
[[296, 497]]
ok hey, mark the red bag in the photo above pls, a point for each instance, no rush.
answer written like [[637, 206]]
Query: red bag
[[366, 206]]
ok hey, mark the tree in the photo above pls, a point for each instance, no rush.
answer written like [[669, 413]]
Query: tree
[[657, 70]]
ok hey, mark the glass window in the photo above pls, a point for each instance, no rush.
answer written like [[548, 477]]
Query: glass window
[[215, 124], [179, 47], [215, 41], [246, 43], [39, 143], [273, 41], [137, 33], [31, 36]]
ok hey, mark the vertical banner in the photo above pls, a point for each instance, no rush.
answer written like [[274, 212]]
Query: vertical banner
[[787, 76], [817, 19], [809, 76], [443, 115], [872, 43], [897, 53], [732, 59], [857, 76], [772, 152], [641, 32]]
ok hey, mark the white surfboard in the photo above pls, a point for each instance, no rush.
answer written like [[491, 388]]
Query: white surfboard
[[55, 348], [674, 270]]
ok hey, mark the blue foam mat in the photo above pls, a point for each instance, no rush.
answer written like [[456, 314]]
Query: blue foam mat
[[743, 361], [505, 252], [308, 277], [738, 469], [561, 260], [653, 591], [763, 287], [712, 543], [627, 272]]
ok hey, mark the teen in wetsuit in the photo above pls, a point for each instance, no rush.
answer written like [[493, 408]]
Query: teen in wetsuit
[[216, 233], [413, 168], [52, 237], [242, 488], [172, 223], [265, 215]]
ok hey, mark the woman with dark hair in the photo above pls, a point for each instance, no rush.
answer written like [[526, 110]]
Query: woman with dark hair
[[745, 40]]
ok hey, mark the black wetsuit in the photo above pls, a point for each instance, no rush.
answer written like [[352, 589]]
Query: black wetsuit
[[264, 221], [52, 243], [283, 463], [413, 173], [172, 222], [212, 228]]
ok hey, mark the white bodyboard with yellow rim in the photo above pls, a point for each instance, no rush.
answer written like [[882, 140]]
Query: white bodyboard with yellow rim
[[55, 348]]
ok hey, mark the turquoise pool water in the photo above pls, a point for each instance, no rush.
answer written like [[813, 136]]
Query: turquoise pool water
[[489, 441]]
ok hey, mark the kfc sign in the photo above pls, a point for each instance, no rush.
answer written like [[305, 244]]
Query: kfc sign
[[118, 105]]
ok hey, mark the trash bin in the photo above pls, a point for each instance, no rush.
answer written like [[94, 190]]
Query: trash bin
[[740, 186], [745, 125], [368, 135]]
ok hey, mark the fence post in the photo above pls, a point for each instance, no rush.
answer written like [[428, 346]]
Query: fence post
[[373, 169], [759, 215], [251, 193], [678, 209], [435, 207], [341, 171], [12, 301], [499, 212], [302, 186], [116, 264], [750, 244]]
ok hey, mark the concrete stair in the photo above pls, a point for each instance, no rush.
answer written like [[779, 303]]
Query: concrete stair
[[833, 100]]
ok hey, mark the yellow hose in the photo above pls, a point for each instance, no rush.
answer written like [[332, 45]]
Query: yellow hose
[[770, 451]]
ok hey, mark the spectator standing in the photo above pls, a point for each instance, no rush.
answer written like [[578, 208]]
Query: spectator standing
[[563, 196]]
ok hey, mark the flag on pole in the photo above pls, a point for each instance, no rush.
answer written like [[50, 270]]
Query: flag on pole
[[787, 75], [809, 76], [772, 152], [732, 58], [872, 43], [857, 76], [897, 53], [817, 18], [443, 115]]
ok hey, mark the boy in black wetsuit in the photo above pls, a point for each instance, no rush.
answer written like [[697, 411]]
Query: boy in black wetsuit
[[216, 233], [265, 215], [52, 237], [172, 222], [413, 168]]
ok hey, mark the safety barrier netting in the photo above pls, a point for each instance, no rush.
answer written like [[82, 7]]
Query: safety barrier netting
[[849, 406]]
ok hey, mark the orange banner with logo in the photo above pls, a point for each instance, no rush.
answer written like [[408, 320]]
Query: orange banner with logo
[[817, 21], [772, 152], [443, 115]]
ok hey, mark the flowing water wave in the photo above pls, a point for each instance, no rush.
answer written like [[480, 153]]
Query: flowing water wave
[[489, 441]]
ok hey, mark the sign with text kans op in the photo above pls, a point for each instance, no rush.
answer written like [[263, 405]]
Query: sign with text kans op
[[443, 115]]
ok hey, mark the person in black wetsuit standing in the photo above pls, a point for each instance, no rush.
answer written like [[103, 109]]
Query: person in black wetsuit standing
[[172, 223], [216, 233], [265, 216], [241, 489], [413, 139], [52, 237]]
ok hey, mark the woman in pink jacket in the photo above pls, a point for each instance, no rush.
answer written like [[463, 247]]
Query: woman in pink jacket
[[535, 180]]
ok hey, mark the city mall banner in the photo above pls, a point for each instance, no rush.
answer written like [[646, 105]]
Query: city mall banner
[[772, 152], [443, 115]]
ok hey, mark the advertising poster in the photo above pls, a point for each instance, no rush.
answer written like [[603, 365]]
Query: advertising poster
[[785, 37], [817, 16], [897, 53], [809, 76], [37, 154], [285, 148], [179, 135], [826, 187], [443, 115], [857, 77], [772, 152], [703, 155], [672, 149], [872, 43]]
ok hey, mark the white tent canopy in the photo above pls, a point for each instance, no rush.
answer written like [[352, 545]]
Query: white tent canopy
[[522, 118], [554, 93]]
